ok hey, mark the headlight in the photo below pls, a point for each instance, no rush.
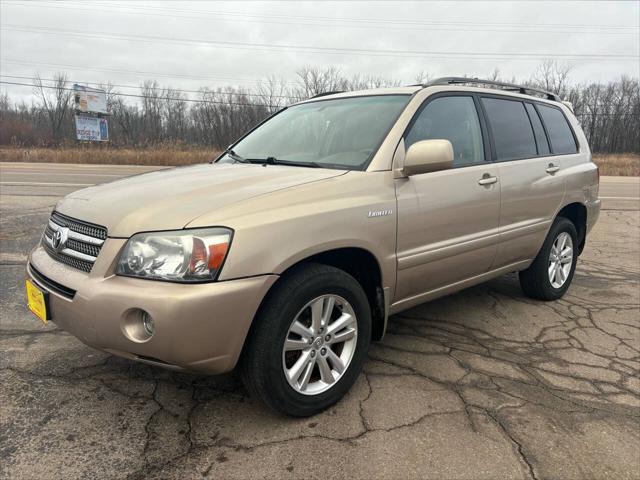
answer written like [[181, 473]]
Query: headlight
[[179, 256]]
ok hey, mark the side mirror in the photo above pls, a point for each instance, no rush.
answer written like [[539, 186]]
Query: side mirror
[[428, 156]]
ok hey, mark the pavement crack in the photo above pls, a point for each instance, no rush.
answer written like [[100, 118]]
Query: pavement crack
[[517, 445]]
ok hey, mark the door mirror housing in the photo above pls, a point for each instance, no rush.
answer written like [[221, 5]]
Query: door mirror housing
[[428, 156]]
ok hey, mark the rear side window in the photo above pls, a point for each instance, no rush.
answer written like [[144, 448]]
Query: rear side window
[[559, 131], [451, 118], [538, 130], [511, 128]]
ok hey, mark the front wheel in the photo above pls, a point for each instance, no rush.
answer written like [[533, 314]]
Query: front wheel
[[550, 274], [310, 341]]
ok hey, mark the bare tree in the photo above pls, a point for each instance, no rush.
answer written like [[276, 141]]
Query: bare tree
[[495, 75], [126, 123], [174, 114], [364, 82], [608, 112], [314, 81], [111, 94], [552, 76], [423, 77], [55, 102], [273, 93], [152, 110], [5, 103]]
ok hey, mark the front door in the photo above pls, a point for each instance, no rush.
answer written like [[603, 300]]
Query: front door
[[447, 221]]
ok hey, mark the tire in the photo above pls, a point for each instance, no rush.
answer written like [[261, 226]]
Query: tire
[[264, 361], [536, 281]]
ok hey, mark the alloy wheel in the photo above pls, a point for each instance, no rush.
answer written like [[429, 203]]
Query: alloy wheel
[[320, 344], [560, 260]]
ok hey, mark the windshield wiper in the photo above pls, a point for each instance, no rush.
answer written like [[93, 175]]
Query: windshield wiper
[[277, 161], [235, 157]]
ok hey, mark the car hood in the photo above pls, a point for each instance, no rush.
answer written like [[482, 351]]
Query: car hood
[[170, 199]]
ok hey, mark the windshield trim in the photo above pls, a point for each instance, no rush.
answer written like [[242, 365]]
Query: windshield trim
[[365, 164]]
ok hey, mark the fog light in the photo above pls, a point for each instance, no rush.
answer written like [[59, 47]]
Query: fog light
[[138, 325], [147, 323]]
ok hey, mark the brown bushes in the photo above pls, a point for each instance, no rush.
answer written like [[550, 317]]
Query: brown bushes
[[109, 156], [623, 164], [614, 164]]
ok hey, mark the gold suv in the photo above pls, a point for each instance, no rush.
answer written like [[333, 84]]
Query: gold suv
[[288, 253]]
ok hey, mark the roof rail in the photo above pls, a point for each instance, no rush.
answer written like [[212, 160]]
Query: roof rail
[[504, 85], [323, 94]]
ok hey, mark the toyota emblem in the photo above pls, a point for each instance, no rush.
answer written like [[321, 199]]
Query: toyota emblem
[[59, 238]]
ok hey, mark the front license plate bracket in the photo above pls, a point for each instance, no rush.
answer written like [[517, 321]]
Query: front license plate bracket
[[38, 301]]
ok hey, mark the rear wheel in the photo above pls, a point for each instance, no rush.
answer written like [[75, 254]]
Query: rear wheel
[[551, 273], [309, 341]]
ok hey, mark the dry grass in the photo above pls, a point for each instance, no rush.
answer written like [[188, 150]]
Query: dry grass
[[624, 164], [109, 156], [618, 164]]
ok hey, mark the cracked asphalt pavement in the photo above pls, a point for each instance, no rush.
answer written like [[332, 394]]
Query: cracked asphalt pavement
[[485, 383]]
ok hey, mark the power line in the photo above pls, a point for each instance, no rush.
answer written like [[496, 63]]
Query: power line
[[216, 102], [397, 22], [135, 72], [356, 23], [310, 48], [177, 90], [403, 22]]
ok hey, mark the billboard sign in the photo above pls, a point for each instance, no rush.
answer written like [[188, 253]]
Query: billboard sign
[[92, 129], [89, 99]]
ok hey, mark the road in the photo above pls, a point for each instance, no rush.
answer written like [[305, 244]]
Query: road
[[57, 179], [481, 384]]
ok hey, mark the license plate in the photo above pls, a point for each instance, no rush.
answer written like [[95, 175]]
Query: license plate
[[37, 301]]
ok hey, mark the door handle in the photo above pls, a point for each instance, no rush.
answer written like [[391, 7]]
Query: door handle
[[551, 169], [487, 179]]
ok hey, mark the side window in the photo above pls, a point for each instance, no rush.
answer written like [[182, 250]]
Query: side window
[[454, 119], [511, 129], [538, 130], [560, 134]]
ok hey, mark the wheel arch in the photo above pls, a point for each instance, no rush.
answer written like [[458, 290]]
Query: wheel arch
[[358, 262], [576, 212], [362, 265]]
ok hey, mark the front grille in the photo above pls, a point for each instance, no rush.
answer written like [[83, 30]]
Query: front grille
[[79, 226], [67, 260], [81, 246]]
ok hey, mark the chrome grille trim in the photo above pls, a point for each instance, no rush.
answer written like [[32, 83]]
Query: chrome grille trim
[[71, 253], [83, 245], [81, 237]]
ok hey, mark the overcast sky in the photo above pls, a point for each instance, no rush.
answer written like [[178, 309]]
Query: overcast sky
[[208, 43]]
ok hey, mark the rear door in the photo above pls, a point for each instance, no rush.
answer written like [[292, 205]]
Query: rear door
[[531, 187], [447, 220]]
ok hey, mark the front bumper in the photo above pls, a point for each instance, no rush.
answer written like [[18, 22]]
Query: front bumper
[[198, 327]]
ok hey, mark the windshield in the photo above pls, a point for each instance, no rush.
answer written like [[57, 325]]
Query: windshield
[[340, 133]]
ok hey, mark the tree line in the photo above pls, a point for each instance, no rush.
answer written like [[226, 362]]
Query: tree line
[[214, 117]]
